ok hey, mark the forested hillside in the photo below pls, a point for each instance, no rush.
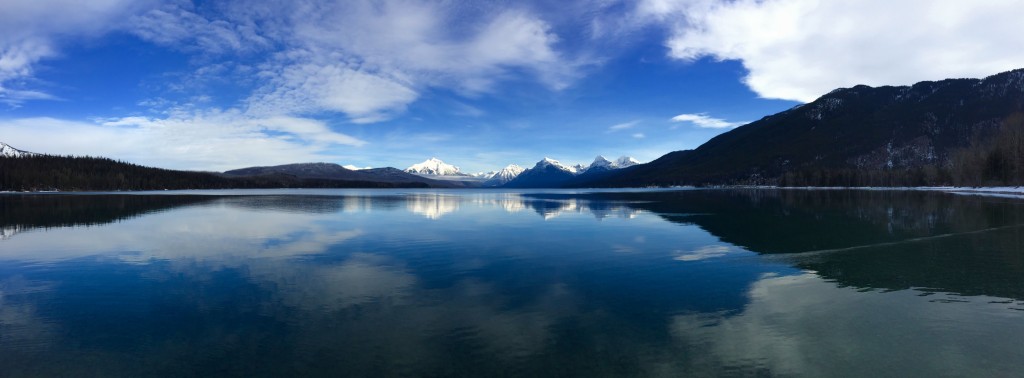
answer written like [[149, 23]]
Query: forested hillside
[[949, 132], [67, 173]]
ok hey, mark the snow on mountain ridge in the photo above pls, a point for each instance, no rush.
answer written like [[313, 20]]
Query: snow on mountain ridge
[[626, 161], [555, 163], [600, 161], [8, 151], [603, 164], [505, 175], [434, 166]]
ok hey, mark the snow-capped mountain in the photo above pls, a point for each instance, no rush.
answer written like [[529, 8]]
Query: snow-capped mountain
[[484, 175], [547, 173], [549, 162], [435, 167], [626, 161], [8, 151], [601, 164], [550, 173], [505, 175]]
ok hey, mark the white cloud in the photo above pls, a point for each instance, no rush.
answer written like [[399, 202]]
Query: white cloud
[[179, 26], [801, 49], [435, 44], [639, 136], [365, 59], [623, 126], [31, 31], [705, 121], [369, 60], [308, 88], [214, 140]]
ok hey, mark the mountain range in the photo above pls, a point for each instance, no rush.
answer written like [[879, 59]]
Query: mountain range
[[331, 171], [550, 173], [948, 132], [954, 131], [546, 173], [503, 176]]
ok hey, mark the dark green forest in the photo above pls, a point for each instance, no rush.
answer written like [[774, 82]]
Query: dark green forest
[[964, 132], [992, 160], [71, 173]]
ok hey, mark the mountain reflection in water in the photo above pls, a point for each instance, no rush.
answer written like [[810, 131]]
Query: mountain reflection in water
[[486, 283]]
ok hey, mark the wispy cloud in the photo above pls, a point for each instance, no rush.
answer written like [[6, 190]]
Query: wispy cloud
[[365, 59], [371, 59], [639, 136], [623, 126], [705, 121], [31, 31], [179, 25], [465, 110], [305, 88]]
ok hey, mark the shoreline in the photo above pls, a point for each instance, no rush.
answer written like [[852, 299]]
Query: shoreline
[[989, 191]]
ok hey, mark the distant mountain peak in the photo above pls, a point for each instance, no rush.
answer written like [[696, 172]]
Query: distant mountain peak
[[547, 173], [7, 151], [601, 162], [434, 166], [546, 162], [626, 161], [505, 175]]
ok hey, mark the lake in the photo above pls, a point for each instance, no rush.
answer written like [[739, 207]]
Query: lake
[[487, 283]]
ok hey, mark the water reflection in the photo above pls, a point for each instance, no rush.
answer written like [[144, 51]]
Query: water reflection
[[432, 206], [804, 325], [493, 283], [19, 213], [891, 240]]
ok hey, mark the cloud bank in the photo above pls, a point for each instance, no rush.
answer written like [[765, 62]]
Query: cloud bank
[[801, 49], [215, 140]]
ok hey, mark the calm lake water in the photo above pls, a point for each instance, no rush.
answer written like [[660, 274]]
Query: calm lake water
[[491, 283]]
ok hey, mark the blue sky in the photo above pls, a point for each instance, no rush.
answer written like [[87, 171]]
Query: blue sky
[[217, 85]]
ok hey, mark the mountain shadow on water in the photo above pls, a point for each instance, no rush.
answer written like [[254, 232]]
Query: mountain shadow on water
[[25, 212], [888, 240]]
